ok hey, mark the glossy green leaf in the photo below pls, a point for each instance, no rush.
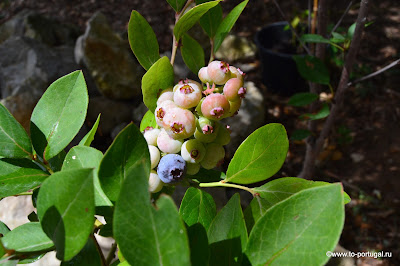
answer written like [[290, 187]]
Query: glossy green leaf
[[197, 211], [89, 137], [19, 175], [260, 156], [351, 30], [159, 77], [227, 234], [300, 134], [30, 258], [192, 53], [313, 38], [57, 161], [324, 112], [303, 98], [128, 150], [337, 38], [299, 230], [148, 120], [143, 40], [177, 5], [28, 237], [204, 176], [312, 69], [227, 24], [211, 20], [147, 235], [191, 17], [14, 141], [65, 207], [274, 192], [59, 115], [3, 231], [88, 256], [86, 157]]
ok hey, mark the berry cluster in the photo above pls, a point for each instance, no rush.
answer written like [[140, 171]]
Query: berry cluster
[[188, 118]]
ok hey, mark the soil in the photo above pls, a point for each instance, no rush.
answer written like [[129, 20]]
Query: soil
[[363, 151]]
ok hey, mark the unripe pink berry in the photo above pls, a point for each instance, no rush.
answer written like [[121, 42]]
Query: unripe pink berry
[[215, 106], [155, 183], [162, 110], [237, 73], [189, 82], [187, 95], [179, 123], [167, 144], [234, 108], [193, 151], [203, 75], [151, 134], [166, 94], [205, 125], [218, 72], [231, 89], [207, 138]]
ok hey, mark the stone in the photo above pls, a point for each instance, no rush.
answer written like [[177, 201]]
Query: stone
[[109, 60], [113, 113], [236, 48], [251, 116], [36, 26]]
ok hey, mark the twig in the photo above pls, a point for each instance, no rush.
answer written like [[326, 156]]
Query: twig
[[111, 254], [313, 149], [397, 62], [309, 16], [314, 19], [291, 28], [341, 18], [103, 260]]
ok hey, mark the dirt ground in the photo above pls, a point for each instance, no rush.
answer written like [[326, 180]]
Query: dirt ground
[[363, 151]]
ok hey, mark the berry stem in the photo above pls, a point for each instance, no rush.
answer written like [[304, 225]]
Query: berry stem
[[212, 55], [223, 183]]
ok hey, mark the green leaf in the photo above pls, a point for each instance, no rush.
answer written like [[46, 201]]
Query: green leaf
[[88, 256], [177, 5], [198, 210], [159, 77], [192, 53], [57, 161], [65, 207], [274, 192], [128, 150], [260, 156], [3, 231], [148, 235], [324, 112], [311, 68], [143, 40], [302, 99], [148, 120], [314, 38], [86, 157], [211, 20], [300, 134], [310, 222], [19, 175], [227, 234], [89, 137], [14, 141], [337, 38], [28, 237], [350, 31], [191, 17], [59, 115], [227, 24]]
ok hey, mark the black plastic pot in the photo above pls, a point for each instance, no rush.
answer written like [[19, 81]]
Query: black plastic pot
[[279, 72]]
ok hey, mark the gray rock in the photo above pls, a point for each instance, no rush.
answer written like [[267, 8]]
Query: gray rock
[[250, 117], [46, 30], [109, 60], [113, 113], [236, 48]]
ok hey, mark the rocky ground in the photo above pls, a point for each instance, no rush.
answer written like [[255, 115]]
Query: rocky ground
[[363, 151]]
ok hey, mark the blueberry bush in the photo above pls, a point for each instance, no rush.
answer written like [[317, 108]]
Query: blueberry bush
[[181, 140]]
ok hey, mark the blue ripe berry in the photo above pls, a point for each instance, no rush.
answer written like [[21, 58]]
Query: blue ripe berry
[[172, 168]]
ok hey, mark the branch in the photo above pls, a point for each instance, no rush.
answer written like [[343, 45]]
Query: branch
[[313, 151], [341, 18], [291, 28], [397, 62]]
